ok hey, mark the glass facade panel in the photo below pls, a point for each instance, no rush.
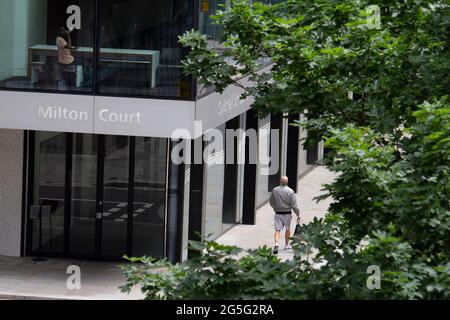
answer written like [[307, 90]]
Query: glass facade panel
[[149, 209], [115, 195], [139, 49], [84, 194], [213, 31], [49, 45], [38, 50], [105, 216], [207, 25], [50, 153]]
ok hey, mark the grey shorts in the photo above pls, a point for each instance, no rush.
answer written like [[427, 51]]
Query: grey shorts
[[282, 221]]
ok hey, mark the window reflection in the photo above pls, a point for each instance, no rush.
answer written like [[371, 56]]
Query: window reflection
[[138, 54], [29, 56], [84, 194], [149, 207], [139, 49], [214, 33], [115, 195], [207, 25], [49, 187]]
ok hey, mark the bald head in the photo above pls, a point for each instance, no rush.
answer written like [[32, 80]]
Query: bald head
[[284, 181]]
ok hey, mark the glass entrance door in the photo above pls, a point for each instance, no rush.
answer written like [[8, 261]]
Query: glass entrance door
[[99, 212], [107, 195], [84, 191], [49, 169], [114, 206]]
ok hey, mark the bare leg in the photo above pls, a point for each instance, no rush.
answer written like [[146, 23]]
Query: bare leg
[[277, 237], [287, 236]]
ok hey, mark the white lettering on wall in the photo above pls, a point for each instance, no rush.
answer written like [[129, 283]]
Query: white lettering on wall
[[107, 115], [227, 105], [61, 113]]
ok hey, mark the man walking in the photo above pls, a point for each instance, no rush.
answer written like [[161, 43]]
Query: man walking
[[283, 201]]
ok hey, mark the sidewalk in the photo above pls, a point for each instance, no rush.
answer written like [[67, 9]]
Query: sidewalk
[[252, 237], [22, 278]]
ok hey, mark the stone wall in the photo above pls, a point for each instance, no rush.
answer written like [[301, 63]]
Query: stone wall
[[11, 172]]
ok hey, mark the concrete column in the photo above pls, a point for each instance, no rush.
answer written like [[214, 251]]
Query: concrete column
[[11, 173]]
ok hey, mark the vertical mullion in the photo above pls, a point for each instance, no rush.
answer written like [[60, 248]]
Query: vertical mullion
[[31, 191], [100, 178], [196, 18], [96, 46], [131, 171], [166, 225], [68, 193], [25, 149]]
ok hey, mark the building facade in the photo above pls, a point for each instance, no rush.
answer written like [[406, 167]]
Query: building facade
[[86, 149]]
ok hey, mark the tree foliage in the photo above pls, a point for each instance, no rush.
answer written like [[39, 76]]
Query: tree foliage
[[321, 50], [394, 216], [379, 99]]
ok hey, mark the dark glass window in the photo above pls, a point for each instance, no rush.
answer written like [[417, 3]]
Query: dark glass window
[[49, 45], [106, 194], [230, 192], [84, 194], [38, 52], [208, 8], [115, 195], [139, 51], [49, 168], [149, 211], [214, 32]]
